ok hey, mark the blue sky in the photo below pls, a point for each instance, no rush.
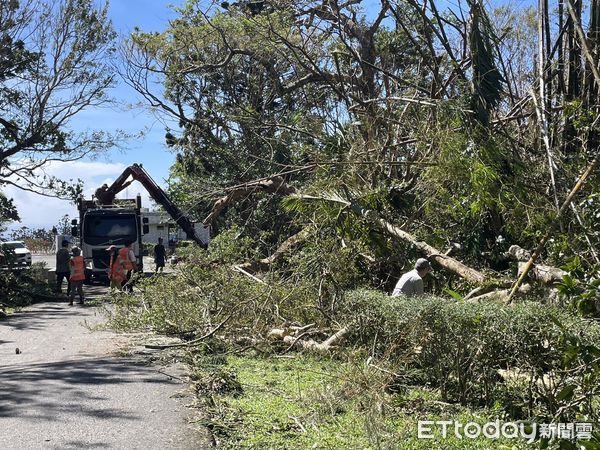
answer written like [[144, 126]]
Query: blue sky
[[148, 15]]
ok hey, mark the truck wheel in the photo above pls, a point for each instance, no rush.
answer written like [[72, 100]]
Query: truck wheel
[[88, 278]]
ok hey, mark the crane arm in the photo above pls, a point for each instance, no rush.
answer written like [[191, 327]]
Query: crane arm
[[137, 172]]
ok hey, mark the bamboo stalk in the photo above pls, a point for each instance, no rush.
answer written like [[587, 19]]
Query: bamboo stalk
[[545, 138], [583, 42]]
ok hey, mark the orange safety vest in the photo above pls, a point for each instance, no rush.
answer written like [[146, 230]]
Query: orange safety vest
[[116, 270], [77, 268], [124, 256]]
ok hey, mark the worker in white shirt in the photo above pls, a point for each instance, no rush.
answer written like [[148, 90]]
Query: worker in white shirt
[[411, 283]]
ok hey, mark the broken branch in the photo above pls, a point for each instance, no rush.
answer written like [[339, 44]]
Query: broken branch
[[195, 341]]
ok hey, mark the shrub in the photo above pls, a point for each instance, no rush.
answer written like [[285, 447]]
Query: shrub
[[581, 287], [22, 287], [479, 353]]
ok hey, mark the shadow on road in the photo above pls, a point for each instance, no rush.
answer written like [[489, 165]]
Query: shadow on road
[[37, 319], [63, 386], [48, 390]]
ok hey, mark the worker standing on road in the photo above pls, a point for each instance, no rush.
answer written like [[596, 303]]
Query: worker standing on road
[[159, 256], [116, 269], [411, 283], [127, 257], [63, 269], [77, 265], [54, 243]]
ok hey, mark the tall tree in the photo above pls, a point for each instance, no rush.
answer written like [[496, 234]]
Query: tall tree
[[54, 64], [318, 96]]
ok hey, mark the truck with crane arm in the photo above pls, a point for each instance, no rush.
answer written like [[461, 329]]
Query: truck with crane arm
[[105, 220]]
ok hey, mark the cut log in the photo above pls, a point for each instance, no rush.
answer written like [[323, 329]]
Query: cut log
[[519, 253], [293, 330], [538, 272], [314, 346], [501, 295], [293, 336], [485, 289], [278, 333], [543, 274]]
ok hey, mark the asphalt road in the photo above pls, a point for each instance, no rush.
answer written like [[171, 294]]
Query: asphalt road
[[68, 387]]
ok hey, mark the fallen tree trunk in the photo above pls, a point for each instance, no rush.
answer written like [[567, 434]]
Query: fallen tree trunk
[[432, 253], [435, 255], [500, 295], [273, 185], [293, 336], [538, 272], [263, 265], [314, 346], [486, 289], [544, 274]]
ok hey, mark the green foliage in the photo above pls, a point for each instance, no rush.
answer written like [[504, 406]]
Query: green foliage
[[25, 233], [487, 80], [21, 287], [8, 211], [583, 118], [476, 195], [455, 295], [581, 287], [232, 246], [580, 391], [205, 293], [319, 403], [464, 349]]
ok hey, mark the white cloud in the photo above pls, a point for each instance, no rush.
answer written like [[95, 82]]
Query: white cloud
[[37, 211]]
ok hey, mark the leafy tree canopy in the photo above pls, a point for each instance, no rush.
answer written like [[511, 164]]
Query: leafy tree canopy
[[433, 118], [54, 64]]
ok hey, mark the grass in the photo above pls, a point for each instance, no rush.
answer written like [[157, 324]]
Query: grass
[[280, 403]]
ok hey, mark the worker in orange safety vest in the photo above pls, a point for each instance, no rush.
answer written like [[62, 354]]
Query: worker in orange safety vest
[[116, 269], [127, 257], [77, 277]]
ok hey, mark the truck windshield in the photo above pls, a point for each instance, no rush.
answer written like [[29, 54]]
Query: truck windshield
[[106, 229]]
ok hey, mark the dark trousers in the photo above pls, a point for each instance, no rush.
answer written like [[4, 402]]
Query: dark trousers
[[59, 281], [128, 284], [77, 287]]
